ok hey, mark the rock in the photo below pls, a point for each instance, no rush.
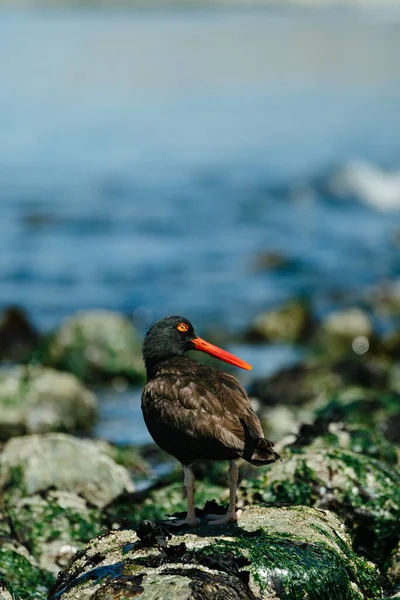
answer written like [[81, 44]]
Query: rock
[[355, 405], [291, 323], [38, 400], [302, 382], [344, 332], [364, 492], [362, 440], [18, 337], [392, 568], [274, 261], [20, 575], [53, 526], [33, 464], [274, 553], [96, 345]]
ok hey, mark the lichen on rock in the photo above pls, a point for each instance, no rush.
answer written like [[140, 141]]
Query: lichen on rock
[[364, 492], [96, 345], [273, 553], [39, 400]]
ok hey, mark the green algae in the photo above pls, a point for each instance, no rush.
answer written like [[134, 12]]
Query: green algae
[[364, 492], [24, 580], [299, 570], [96, 346], [40, 521]]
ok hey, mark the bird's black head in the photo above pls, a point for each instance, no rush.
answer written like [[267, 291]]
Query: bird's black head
[[174, 336], [168, 337]]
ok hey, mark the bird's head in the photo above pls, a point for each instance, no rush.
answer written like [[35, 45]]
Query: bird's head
[[175, 335]]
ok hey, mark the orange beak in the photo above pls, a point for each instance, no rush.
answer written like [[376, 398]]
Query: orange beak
[[227, 357]]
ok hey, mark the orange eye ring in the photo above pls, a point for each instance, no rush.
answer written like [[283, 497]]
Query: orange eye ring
[[182, 327]]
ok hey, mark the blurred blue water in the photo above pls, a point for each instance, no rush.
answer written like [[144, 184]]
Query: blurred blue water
[[141, 151]]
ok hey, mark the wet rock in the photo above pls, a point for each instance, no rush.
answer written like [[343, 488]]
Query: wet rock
[[354, 405], [274, 553], [364, 492], [363, 440], [343, 332], [38, 400], [33, 464], [96, 345], [20, 575], [291, 323], [302, 382], [392, 571], [53, 526], [18, 337], [274, 261]]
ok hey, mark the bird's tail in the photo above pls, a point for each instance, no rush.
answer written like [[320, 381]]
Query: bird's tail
[[257, 450]]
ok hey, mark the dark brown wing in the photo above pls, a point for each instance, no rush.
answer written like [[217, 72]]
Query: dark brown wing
[[197, 412]]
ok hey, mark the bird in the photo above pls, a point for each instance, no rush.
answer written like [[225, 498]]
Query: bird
[[196, 412]]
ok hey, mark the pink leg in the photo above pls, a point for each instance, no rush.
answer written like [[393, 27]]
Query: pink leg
[[191, 519], [231, 513]]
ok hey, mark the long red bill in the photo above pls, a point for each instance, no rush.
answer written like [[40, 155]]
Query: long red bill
[[227, 357]]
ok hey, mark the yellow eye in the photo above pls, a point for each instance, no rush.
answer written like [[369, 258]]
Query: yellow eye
[[182, 327]]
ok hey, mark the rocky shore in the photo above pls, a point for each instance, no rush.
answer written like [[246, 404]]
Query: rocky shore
[[323, 522]]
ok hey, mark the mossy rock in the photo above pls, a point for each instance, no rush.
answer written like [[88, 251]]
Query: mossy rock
[[298, 553], [316, 380], [96, 346], [364, 492], [355, 405], [53, 527], [346, 332], [392, 569], [290, 323], [22, 577], [362, 440], [38, 400], [35, 464]]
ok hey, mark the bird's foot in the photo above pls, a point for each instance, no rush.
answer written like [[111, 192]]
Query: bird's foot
[[188, 521], [229, 517]]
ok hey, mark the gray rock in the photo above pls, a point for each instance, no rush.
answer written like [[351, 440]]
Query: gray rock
[[393, 569], [38, 400], [364, 492], [290, 323], [33, 464], [21, 578], [274, 553], [96, 345], [343, 332]]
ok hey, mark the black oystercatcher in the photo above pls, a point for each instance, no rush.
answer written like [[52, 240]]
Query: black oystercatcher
[[195, 412]]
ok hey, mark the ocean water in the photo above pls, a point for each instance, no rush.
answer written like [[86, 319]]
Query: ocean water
[[147, 157]]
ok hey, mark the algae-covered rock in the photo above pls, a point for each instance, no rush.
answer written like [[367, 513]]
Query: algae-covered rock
[[360, 406], [96, 345], [291, 323], [273, 553], [18, 337], [21, 578], [364, 492], [53, 526], [38, 400], [392, 569], [33, 464], [346, 331], [363, 440]]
